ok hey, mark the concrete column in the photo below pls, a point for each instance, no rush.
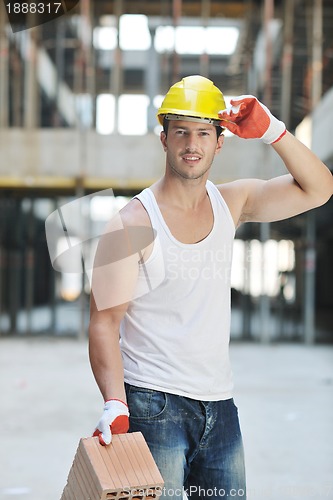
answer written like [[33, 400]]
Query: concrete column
[[29, 259], [52, 283], [176, 14], [4, 70], [116, 79], [31, 87], [287, 61], [317, 52], [246, 297], [251, 78], [16, 67], [264, 307], [88, 76], [60, 65], [14, 238], [309, 279], [309, 303], [152, 81], [204, 58], [268, 16]]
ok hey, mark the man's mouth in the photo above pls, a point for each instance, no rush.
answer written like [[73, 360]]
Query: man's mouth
[[191, 157]]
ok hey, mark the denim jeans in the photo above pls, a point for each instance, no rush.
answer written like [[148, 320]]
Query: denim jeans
[[197, 445]]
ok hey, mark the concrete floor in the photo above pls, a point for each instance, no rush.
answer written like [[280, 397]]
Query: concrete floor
[[284, 393]]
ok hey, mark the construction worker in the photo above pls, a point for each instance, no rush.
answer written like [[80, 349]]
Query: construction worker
[[169, 376]]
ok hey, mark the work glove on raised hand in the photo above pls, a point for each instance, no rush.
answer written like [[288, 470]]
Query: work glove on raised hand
[[113, 421], [250, 119]]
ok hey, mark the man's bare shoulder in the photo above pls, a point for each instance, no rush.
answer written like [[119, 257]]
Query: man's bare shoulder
[[135, 219], [134, 214]]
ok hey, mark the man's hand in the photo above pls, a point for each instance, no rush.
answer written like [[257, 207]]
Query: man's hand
[[113, 421], [250, 119]]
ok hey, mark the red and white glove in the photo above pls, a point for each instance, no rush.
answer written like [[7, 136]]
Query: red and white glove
[[113, 421], [250, 119]]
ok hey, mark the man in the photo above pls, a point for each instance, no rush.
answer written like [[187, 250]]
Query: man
[[171, 366]]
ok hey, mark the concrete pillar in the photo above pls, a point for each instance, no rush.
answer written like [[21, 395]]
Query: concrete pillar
[[264, 306], [29, 259], [52, 283], [16, 67], [4, 70], [246, 297], [152, 81], [14, 238], [60, 65], [204, 58], [31, 87], [176, 14], [251, 78], [268, 16], [287, 61], [309, 303], [82, 331], [265, 226], [116, 78], [309, 279], [317, 52]]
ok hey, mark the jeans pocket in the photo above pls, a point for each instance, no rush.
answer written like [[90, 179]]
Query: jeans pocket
[[145, 403]]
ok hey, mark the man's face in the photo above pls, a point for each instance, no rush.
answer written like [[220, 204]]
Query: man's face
[[190, 148]]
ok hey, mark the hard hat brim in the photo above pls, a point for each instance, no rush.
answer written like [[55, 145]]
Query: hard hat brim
[[174, 117]]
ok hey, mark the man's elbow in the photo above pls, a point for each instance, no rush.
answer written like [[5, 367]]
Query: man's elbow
[[321, 198], [324, 191]]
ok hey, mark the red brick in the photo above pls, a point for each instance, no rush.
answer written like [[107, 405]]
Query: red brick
[[123, 470]]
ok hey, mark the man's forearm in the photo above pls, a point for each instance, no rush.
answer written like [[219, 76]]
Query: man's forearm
[[106, 362]]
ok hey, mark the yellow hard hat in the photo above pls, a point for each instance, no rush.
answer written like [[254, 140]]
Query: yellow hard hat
[[193, 97]]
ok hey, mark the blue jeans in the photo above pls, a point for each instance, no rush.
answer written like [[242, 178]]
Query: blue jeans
[[197, 445]]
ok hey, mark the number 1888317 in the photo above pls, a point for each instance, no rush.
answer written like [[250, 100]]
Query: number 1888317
[[34, 8]]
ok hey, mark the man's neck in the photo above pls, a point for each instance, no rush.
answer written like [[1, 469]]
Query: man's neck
[[187, 194]]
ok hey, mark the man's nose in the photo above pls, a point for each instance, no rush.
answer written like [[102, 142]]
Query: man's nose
[[191, 144]]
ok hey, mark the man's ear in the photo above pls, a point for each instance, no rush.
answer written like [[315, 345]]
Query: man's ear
[[219, 144], [163, 139]]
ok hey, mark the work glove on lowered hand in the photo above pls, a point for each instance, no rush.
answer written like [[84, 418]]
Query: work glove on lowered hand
[[250, 119], [113, 421]]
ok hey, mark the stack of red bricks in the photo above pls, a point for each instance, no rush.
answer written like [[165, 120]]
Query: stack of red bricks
[[123, 470]]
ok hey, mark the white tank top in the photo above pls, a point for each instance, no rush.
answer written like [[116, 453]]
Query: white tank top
[[175, 334]]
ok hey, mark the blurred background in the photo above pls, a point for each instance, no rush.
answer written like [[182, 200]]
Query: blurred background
[[78, 102]]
